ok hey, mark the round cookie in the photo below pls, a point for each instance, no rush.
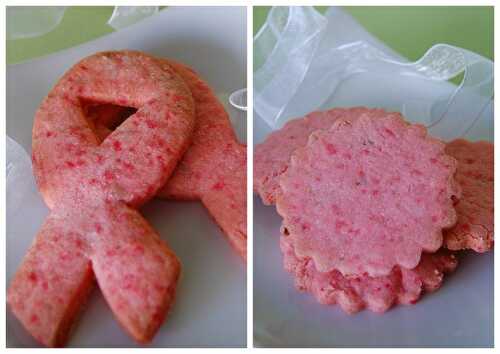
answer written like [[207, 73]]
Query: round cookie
[[368, 195], [271, 157], [474, 227], [378, 294]]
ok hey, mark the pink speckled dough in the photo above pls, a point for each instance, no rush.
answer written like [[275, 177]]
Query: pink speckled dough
[[352, 294], [271, 158], [213, 169], [52, 283], [93, 190], [368, 195], [474, 228]]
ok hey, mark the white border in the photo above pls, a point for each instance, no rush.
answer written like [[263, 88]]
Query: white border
[[3, 193], [249, 178], [249, 4]]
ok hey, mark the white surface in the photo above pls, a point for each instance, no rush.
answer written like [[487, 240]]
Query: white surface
[[459, 314], [210, 309]]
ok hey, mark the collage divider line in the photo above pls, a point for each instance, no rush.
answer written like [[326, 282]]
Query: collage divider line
[[249, 176]]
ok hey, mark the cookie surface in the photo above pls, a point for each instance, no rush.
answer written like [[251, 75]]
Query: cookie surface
[[65, 142], [92, 188], [474, 228], [213, 169], [368, 195], [378, 294], [271, 157]]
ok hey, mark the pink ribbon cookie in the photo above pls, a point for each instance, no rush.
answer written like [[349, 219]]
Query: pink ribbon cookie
[[94, 189], [213, 169]]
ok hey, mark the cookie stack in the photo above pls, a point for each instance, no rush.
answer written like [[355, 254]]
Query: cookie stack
[[373, 207]]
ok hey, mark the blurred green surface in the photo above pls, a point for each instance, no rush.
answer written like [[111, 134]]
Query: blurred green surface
[[80, 24], [408, 30], [411, 30]]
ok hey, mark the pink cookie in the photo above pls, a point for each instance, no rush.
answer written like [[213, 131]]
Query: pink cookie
[[213, 169], [474, 228], [93, 191], [368, 195], [378, 294], [272, 157]]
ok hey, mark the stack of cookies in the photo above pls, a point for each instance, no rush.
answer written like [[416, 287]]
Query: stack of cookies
[[374, 209]]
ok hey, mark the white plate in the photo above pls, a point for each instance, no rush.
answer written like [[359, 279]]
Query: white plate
[[458, 314], [210, 309]]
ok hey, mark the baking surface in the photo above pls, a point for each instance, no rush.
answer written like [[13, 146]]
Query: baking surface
[[458, 314]]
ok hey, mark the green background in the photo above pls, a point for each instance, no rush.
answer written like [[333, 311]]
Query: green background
[[408, 30], [411, 30], [80, 24]]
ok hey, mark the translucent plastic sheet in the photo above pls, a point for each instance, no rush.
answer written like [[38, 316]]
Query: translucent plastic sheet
[[305, 61], [238, 99], [124, 16], [20, 181], [32, 21]]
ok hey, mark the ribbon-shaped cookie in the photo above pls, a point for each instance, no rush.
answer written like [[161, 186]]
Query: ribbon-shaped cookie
[[213, 169], [94, 190]]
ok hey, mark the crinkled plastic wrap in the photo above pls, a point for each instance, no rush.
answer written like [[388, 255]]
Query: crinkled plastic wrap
[[32, 21], [305, 61], [124, 16], [20, 181]]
